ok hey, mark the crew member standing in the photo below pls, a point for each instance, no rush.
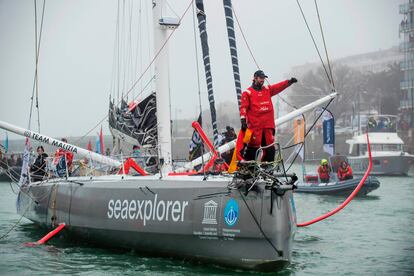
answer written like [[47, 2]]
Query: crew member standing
[[68, 158], [257, 114]]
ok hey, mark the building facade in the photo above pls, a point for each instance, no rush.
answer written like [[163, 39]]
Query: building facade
[[407, 65]]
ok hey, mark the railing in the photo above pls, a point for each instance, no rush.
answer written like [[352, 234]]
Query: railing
[[407, 65], [406, 27], [407, 84], [407, 46], [61, 168], [406, 104], [406, 7]]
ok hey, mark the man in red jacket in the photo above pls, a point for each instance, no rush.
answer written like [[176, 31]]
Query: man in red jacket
[[345, 171], [68, 156], [257, 114]]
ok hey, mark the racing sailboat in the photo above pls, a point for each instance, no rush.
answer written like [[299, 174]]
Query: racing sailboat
[[244, 220]]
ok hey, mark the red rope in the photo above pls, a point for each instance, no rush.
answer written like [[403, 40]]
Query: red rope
[[350, 197]]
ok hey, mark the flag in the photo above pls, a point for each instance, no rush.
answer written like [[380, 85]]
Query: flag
[[6, 143], [328, 132], [242, 139], [25, 165], [196, 143], [89, 146], [299, 136], [101, 142], [97, 144], [61, 166]]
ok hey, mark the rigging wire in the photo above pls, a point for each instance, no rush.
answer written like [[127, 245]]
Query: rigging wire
[[330, 77], [118, 51], [104, 118], [114, 62], [138, 46], [252, 56], [130, 54], [279, 253], [169, 6], [145, 71], [35, 200], [324, 44], [244, 38], [307, 132], [148, 6], [123, 53], [16, 223], [314, 43], [36, 67], [37, 46], [198, 81]]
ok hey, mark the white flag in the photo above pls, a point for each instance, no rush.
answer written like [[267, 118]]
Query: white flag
[[25, 166]]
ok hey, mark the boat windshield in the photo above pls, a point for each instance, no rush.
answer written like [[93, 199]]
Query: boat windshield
[[382, 123], [335, 162], [382, 147]]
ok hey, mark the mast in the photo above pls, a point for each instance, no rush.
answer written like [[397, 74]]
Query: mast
[[162, 83], [201, 17], [228, 12]]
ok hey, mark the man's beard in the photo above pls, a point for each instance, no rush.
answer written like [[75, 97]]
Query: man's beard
[[257, 85]]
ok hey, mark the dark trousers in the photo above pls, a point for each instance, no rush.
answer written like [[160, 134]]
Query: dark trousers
[[346, 177], [269, 153]]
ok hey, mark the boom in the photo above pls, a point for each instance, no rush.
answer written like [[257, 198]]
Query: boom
[[56, 143]]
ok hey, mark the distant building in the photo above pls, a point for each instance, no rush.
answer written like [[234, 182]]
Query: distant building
[[368, 62], [372, 62], [407, 65]]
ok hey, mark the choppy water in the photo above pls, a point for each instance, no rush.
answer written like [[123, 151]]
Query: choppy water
[[373, 235]]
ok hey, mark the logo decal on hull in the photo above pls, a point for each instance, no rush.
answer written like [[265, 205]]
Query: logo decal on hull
[[210, 213], [231, 212], [147, 210]]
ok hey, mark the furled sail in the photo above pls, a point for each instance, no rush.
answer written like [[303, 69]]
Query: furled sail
[[201, 16], [233, 47], [138, 121]]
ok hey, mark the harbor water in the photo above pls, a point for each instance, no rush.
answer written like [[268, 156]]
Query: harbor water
[[373, 235]]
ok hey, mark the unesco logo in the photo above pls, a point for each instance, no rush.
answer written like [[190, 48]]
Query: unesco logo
[[231, 212]]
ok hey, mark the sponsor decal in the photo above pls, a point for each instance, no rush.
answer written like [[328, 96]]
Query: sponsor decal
[[147, 210], [210, 213], [207, 233], [39, 138], [46, 140], [231, 212], [64, 146], [230, 234]]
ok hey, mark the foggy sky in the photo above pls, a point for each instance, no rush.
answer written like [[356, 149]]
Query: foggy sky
[[76, 55]]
